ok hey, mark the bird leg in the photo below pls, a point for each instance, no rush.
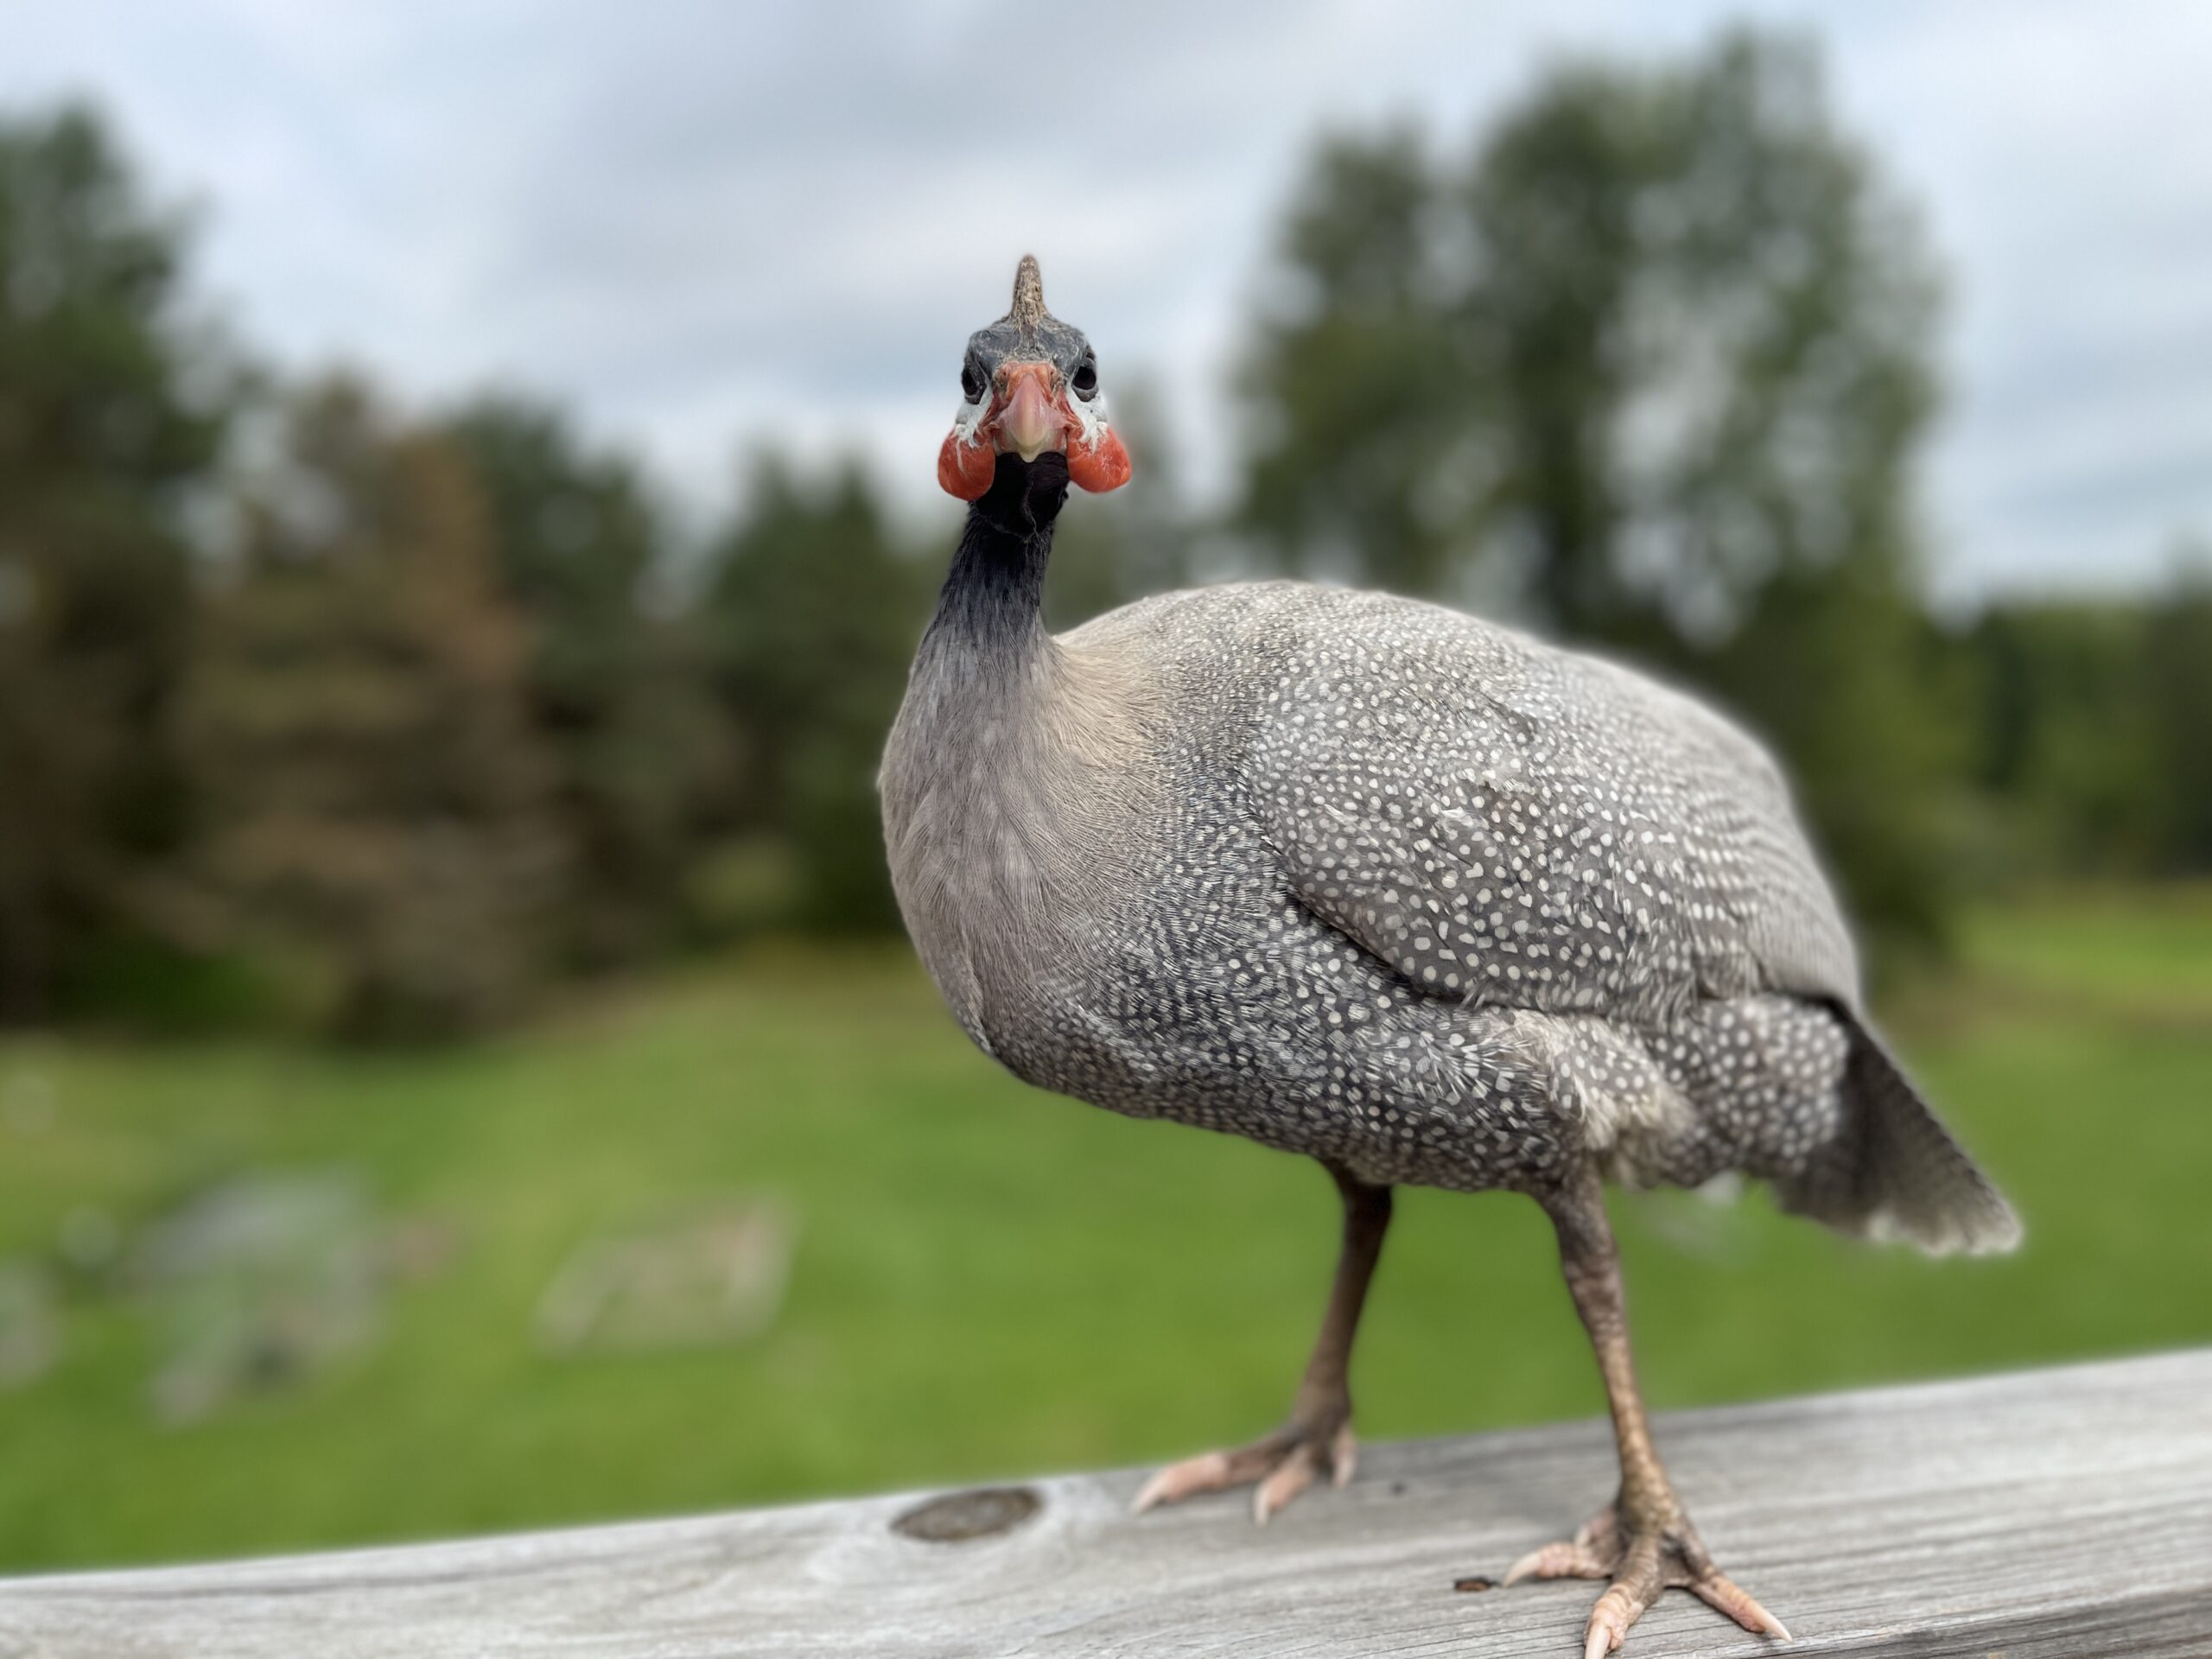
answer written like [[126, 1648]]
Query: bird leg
[[1317, 1439], [1644, 1541]]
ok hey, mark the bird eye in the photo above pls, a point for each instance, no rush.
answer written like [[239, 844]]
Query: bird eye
[[971, 380], [1085, 380]]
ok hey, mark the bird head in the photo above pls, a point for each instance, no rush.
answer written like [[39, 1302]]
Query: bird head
[[1029, 384]]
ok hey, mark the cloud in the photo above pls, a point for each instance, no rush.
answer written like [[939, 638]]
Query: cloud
[[705, 223]]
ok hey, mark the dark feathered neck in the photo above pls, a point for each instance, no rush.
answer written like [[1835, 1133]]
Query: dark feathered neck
[[993, 601]]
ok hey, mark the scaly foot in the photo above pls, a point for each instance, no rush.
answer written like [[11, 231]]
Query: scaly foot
[[1283, 1464], [1642, 1561]]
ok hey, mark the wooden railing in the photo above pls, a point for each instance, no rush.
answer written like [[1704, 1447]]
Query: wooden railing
[[2055, 1513]]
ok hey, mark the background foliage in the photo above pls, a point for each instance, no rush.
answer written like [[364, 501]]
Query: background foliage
[[345, 748], [322, 713]]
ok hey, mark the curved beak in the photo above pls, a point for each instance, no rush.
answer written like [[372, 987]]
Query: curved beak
[[1032, 416]]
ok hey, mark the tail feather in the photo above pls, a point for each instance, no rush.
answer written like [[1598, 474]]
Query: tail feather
[[1895, 1171]]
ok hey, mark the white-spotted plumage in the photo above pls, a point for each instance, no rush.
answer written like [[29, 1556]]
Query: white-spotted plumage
[[1377, 881], [1425, 899]]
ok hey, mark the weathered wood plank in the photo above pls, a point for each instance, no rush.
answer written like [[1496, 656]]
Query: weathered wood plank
[[2054, 1513]]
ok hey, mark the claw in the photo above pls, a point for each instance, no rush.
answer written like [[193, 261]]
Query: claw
[[1343, 1457], [1282, 1465], [1181, 1480], [1617, 1609], [1718, 1590], [1643, 1562], [1290, 1477]]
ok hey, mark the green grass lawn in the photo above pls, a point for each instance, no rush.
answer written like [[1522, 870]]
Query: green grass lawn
[[988, 1280]]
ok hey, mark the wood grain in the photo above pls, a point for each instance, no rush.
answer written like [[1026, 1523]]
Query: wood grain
[[2059, 1512]]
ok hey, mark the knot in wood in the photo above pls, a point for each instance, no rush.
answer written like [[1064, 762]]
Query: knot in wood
[[957, 1517]]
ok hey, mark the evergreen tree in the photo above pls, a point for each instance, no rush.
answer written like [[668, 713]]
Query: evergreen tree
[[110, 417], [1364, 397], [1653, 369], [2177, 676], [2066, 741], [809, 622], [380, 809], [616, 693]]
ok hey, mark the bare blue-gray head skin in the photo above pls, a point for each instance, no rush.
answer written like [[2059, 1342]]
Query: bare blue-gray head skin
[[1029, 384]]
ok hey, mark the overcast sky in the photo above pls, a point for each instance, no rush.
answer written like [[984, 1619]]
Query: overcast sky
[[701, 222]]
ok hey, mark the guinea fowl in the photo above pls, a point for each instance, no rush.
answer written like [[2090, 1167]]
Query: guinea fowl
[[1424, 899]]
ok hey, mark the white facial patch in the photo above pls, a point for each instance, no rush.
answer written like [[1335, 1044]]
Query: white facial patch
[[1091, 416], [967, 421]]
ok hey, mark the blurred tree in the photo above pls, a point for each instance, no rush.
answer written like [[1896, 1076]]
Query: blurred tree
[[2064, 737], [2177, 678], [809, 621], [379, 804], [1655, 366], [1132, 542], [1365, 398], [2092, 724], [615, 692], [111, 415]]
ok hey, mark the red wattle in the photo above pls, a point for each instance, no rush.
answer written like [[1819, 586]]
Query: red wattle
[[965, 469], [1097, 467]]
